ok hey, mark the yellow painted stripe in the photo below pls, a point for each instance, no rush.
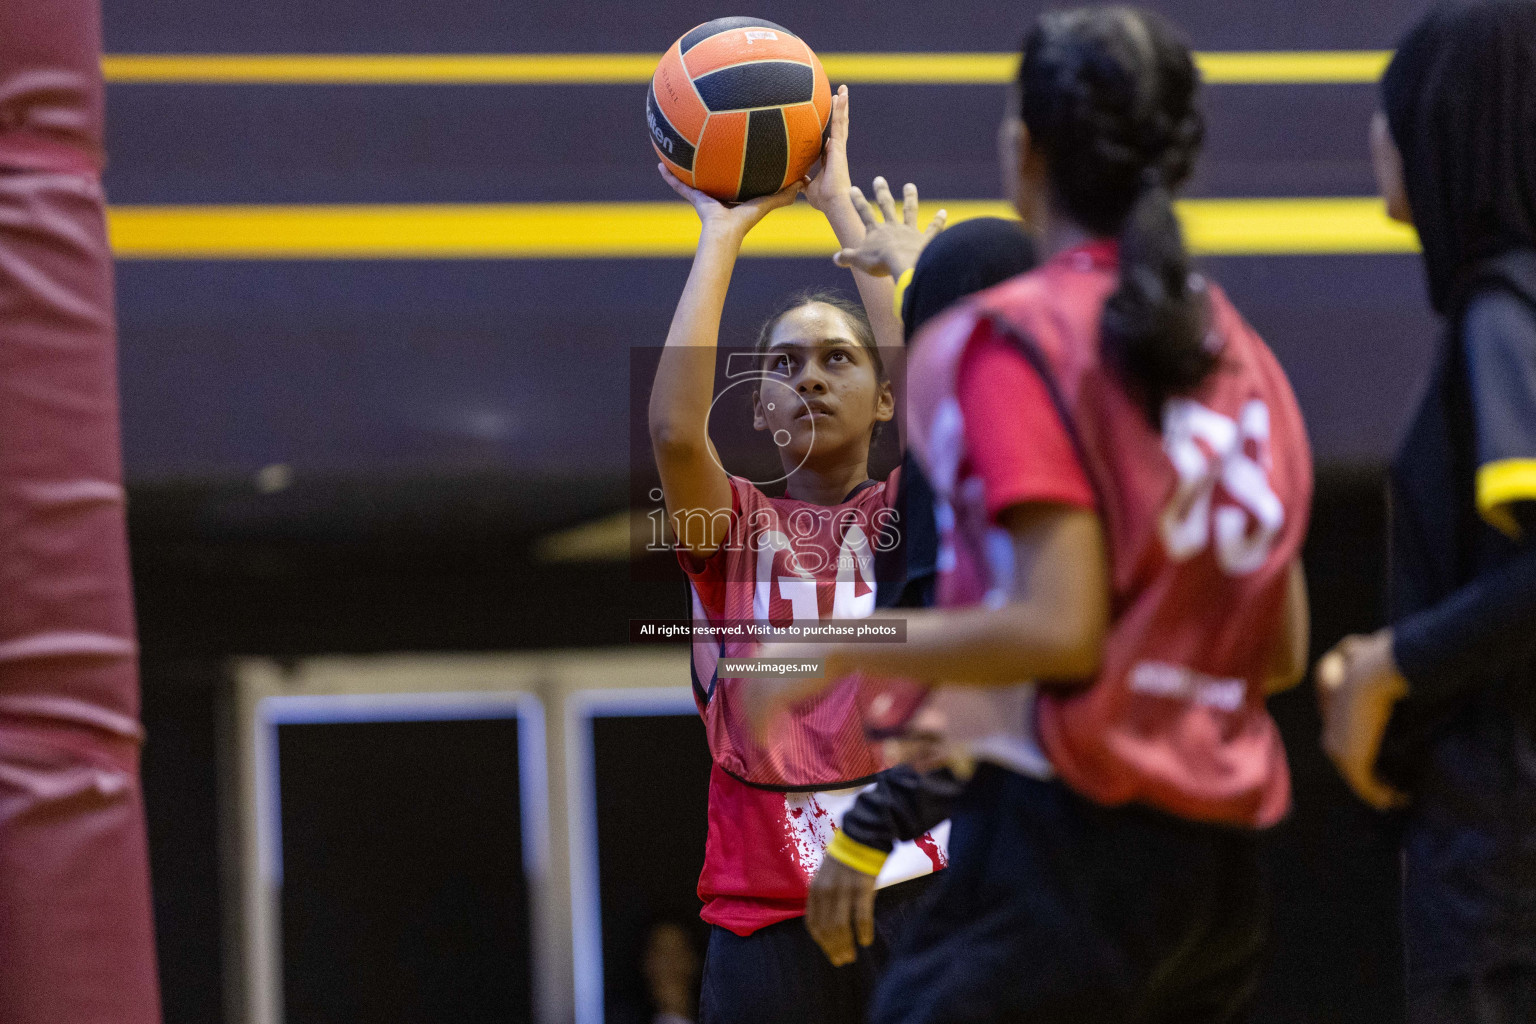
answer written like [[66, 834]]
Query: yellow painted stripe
[[1279, 67], [380, 69], [1248, 227], [635, 230], [1338, 67]]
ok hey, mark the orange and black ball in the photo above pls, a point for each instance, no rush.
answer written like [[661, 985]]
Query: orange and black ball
[[738, 108]]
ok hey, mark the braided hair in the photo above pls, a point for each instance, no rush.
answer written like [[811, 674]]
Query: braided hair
[[1107, 94]]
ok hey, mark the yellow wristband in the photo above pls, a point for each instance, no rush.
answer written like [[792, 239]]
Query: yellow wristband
[[901, 289], [864, 859]]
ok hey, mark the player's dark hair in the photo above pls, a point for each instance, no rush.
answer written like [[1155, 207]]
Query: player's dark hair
[[968, 258], [1108, 96], [853, 312]]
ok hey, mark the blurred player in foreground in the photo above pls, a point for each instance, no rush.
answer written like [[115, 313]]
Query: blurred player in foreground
[[809, 555], [1128, 480], [907, 801], [1455, 151]]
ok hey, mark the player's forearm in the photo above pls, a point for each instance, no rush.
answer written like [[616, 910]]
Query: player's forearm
[[1476, 633], [1289, 664], [876, 293], [685, 374], [902, 805], [878, 296], [984, 646]]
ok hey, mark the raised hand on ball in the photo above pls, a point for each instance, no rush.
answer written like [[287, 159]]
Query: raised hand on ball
[[737, 219], [828, 189]]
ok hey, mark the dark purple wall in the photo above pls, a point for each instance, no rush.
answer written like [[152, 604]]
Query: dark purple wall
[[410, 369]]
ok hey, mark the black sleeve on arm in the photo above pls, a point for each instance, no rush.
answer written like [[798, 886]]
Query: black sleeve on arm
[[901, 805], [1491, 622], [1482, 628]]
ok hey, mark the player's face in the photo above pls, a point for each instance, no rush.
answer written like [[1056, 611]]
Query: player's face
[[1022, 170], [821, 394], [1387, 162]]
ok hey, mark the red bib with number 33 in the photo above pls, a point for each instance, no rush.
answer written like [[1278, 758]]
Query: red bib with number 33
[[1202, 520]]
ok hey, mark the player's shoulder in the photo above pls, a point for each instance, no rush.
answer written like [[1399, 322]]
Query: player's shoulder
[[748, 496], [1239, 341], [880, 493], [979, 309], [1018, 292], [1500, 319], [1222, 313]]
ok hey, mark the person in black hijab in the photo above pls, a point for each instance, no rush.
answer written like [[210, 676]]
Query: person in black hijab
[[1437, 713], [904, 802]]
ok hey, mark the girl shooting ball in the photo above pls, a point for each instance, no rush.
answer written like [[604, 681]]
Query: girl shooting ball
[[822, 391]]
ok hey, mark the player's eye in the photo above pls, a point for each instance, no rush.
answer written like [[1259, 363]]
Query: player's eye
[[838, 356]]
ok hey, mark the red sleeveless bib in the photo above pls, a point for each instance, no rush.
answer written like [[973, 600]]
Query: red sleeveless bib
[[1202, 521]]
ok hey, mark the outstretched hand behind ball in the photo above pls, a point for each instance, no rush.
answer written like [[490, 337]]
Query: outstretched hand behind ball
[[890, 247]]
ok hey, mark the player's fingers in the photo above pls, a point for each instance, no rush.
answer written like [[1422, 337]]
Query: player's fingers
[[816, 916], [1355, 764], [1336, 734], [864, 915], [1392, 797], [862, 208], [838, 131], [909, 205], [1372, 790], [937, 224], [676, 183], [834, 938], [1329, 675], [869, 262], [1349, 648], [1331, 669], [1360, 781], [854, 259], [819, 936], [885, 200], [781, 199]]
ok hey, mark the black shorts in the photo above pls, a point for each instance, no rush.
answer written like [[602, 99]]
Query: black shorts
[[1055, 909], [778, 975]]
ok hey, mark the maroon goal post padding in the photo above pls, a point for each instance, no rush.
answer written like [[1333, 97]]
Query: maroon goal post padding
[[76, 937]]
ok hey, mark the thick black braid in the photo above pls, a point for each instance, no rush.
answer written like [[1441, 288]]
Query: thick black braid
[[1108, 97]]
